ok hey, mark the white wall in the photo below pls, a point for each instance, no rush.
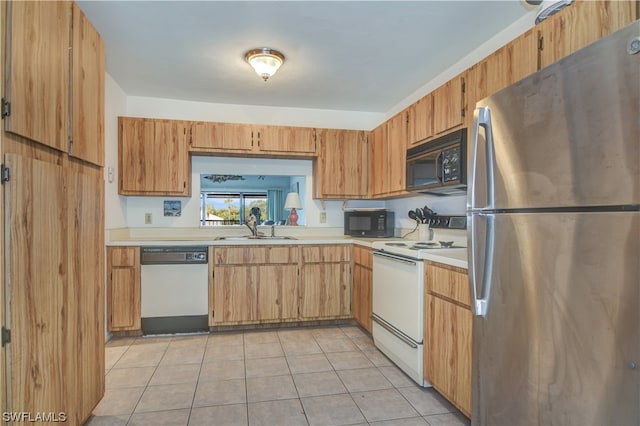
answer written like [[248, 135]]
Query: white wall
[[138, 106], [115, 105]]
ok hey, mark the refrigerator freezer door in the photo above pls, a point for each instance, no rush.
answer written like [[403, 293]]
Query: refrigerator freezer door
[[566, 136], [560, 339]]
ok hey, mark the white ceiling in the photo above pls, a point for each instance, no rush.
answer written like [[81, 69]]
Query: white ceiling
[[341, 55]]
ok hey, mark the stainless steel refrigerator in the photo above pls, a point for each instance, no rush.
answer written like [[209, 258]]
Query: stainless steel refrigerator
[[554, 251]]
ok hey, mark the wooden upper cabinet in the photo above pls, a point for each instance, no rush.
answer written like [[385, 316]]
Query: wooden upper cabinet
[[222, 137], [38, 71], [88, 62], [135, 141], [448, 105], [397, 154], [505, 66], [342, 166], [420, 121], [153, 157], [287, 141], [388, 157], [252, 139], [523, 56], [378, 162], [580, 24], [171, 156]]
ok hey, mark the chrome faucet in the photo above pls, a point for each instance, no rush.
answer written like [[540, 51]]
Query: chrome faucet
[[252, 224], [273, 230]]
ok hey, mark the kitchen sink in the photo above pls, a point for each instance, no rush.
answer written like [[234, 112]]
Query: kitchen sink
[[251, 237]]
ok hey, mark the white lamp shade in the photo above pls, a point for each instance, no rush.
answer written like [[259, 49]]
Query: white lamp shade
[[292, 201]]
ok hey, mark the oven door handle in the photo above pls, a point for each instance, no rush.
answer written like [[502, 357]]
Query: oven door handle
[[399, 334], [395, 258]]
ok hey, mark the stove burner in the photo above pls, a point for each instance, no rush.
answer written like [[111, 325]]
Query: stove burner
[[425, 245]]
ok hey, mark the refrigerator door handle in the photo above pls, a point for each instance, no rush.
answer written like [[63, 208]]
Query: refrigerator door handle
[[482, 286], [482, 118]]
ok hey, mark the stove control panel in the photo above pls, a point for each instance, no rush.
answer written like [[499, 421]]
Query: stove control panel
[[448, 222]]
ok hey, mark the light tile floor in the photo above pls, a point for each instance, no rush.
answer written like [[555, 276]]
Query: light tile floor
[[301, 376]]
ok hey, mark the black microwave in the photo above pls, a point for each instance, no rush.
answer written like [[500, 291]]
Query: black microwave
[[439, 166], [369, 223]]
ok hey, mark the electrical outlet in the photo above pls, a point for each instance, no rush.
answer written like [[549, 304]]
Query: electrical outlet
[[323, 217], [147, 218]]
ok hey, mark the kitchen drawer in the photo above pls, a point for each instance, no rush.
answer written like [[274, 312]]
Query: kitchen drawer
[[283, 254], [447, 281], [326, 253], [362, 256], [255, 255], [123, 256]]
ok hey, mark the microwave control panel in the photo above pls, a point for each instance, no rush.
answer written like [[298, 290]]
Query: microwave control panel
[[451, 165]]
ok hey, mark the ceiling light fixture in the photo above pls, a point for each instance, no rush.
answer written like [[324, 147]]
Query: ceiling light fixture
[[265, 61]]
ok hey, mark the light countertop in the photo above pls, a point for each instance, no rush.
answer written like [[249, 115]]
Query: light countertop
[[452, 257]]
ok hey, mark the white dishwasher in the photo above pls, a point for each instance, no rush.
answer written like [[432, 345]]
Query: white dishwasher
[[175, 289]]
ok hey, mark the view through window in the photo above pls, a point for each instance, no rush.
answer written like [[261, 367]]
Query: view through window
[[231, 208], [229, 199]]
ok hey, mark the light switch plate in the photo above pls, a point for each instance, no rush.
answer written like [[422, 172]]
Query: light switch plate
[[323, 217], [147, 218]]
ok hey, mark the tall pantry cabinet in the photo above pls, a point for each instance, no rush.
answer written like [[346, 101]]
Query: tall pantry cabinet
[[52, 145]]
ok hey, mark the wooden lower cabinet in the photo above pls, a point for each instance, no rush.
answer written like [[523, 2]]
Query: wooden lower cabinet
[[448, 324], [234, 294], [277, 292], [325, 287], [253, 284], [362, 305], [123, 285], [269, 284]]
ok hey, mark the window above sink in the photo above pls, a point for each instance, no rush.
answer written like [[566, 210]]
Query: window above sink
[[228, 199]]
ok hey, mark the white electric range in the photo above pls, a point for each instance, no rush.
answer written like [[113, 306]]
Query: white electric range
[[398, 292]]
